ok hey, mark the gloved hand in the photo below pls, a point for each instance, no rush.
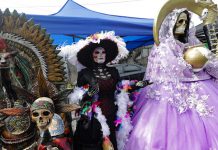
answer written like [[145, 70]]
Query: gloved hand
[[143, 83], [93, 90]]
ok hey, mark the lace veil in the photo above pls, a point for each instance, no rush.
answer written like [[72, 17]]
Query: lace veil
[[166, 61]]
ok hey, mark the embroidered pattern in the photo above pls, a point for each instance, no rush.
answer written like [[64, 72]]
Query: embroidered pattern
[[183, 96]]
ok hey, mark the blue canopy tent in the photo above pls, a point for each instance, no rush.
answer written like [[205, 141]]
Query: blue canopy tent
[[74, 22]]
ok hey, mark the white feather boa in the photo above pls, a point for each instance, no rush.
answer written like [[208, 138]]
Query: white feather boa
[[122, 135], [101, 118], [76, 95], [123, 101]]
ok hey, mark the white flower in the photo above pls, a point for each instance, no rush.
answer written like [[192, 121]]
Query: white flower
[[201, 108]]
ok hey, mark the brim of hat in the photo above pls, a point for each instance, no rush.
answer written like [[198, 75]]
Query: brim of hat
[[84, 56]]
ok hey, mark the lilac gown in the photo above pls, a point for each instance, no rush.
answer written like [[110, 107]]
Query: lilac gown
[[179, 111]]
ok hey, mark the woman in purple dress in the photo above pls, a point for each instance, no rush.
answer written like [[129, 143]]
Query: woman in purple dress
[[179, 110]]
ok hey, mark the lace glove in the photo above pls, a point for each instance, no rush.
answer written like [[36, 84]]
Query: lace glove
[[93, 90], [91, 94], [139, 84], [143, 83]]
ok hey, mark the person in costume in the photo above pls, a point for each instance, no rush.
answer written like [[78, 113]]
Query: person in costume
[[102, 107], [179, 110], [102, 80]]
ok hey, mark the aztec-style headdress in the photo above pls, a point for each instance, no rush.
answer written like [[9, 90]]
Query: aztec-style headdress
[[44, 97]]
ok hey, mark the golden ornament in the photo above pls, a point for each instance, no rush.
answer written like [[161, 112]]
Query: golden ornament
[[193, 55]]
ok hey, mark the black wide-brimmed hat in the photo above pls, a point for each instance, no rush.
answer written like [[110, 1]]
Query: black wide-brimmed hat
[[80, 53], [85, 57]]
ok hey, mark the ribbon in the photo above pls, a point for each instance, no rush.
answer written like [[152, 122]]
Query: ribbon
[[95, 104], [118, 122]]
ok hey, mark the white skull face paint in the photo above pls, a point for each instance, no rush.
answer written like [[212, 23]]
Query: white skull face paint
[[181, 23], [99, 55]]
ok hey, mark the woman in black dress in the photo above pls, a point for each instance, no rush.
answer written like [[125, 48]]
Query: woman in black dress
[[102, 81], [96, 126]]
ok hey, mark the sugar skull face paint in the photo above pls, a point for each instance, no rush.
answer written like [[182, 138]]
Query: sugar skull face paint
[[99, 55]]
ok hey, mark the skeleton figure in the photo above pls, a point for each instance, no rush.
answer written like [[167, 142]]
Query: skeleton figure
[[181, 28], [204, 14], [42, 112], [181, 23], [187, 97]]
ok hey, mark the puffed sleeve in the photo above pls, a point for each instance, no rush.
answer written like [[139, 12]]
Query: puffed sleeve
[[81, 80]]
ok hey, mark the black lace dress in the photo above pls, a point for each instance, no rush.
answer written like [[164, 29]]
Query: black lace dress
[[88, 135]]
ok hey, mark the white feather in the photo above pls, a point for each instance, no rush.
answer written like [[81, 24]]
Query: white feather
[[103, 121], [76, 95], [126, 126]]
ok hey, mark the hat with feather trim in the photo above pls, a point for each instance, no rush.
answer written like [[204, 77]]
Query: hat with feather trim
[[81, 52]]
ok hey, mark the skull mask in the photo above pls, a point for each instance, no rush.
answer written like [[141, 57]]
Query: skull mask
[[99, 55], [42, 111], [4, 55], [181, 24], [3, 58]]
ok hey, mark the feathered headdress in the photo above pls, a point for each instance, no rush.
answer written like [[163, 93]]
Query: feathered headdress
[[42, 88]]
